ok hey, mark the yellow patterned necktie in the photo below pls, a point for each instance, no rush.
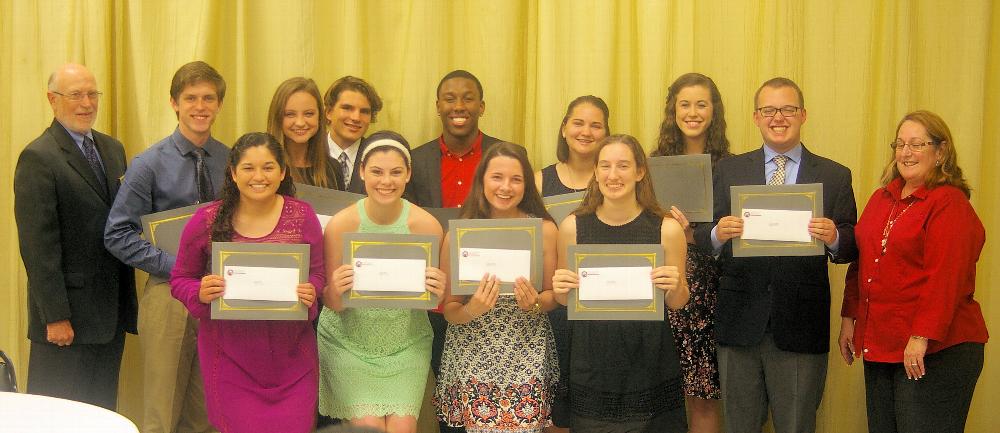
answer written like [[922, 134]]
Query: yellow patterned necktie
[[778, 177]]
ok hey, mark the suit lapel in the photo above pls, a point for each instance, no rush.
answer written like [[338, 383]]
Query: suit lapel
[[108, 158], [75, 159], [807, 168], [753, 172], [433, 174]]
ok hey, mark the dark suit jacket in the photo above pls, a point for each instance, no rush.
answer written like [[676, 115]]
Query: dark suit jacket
[[357, 185], [61, 209], [792, 293], [424, 188]]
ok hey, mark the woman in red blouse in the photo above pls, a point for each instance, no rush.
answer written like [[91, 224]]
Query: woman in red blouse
[[908, 309]]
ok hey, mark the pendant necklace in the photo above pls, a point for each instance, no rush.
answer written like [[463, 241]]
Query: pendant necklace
[[890, 221]]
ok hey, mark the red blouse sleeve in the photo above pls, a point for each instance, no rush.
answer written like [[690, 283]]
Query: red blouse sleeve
[[850, 306], [954, 239]]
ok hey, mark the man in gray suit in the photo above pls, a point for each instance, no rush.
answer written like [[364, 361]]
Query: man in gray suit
[[81, 299]]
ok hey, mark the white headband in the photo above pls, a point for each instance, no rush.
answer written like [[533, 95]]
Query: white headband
[[387, 142]]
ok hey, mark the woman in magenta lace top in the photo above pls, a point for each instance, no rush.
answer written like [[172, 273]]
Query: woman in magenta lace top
[[259, 375]]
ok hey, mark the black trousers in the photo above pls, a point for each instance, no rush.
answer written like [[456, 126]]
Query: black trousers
[[80, 372], [938, 402]]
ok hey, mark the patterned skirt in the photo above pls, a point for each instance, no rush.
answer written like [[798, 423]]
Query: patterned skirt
[[498, 372]]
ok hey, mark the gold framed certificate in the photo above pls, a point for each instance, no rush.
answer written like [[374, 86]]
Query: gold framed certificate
[[164, 229], [261, 280], [776, 219], [389, 270], [615, 282], [507, 247]]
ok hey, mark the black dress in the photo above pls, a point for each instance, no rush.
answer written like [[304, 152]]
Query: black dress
[[551, 185], [334, 177], [624, 375]]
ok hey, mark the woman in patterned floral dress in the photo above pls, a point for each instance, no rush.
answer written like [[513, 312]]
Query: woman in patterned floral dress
[[499, 365], [694, 123]]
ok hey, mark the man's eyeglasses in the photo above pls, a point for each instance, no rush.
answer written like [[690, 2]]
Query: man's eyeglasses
[[916, 146], [787, 111], [78, 96]]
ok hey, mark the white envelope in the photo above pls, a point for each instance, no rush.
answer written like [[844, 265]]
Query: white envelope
[[507, 265], [389, 275], [776, 225], [259, 283], [616, 283]]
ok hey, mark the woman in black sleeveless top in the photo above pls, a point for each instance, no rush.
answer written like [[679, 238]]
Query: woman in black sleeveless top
[[624, 375], [583, 126]]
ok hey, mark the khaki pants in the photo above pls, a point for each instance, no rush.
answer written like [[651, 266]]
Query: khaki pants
[[173, 393]]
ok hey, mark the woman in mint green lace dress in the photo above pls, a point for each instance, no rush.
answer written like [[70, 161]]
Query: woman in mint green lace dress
[[374, 362]]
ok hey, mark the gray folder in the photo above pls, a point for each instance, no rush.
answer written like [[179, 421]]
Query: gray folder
[[560, 206], [684, 181], [325, 201], [805, 197], [504, 234], [163, 229], [262, 255], [391, 246], [605, 255]]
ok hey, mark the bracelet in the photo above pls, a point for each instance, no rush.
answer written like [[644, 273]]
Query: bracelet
[[917, 337], [537, 308]]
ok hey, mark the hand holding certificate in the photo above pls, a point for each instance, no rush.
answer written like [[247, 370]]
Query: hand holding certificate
[[773, 220], [389, 270], [258, 281], [508, 248], [615, 282]]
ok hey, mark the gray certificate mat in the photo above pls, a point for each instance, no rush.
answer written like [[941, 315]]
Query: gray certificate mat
[[391, 246], [605, 255], [804, 197], [259, 255], [163, 229], [444, 215], [684, 181], [325, 201], [560, 206], [502, 234]]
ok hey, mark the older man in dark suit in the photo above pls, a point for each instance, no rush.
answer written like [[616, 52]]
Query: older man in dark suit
[[81, 299], [773, 316]]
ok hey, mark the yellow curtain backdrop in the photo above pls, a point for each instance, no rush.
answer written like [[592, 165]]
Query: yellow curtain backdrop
[[861, 64]]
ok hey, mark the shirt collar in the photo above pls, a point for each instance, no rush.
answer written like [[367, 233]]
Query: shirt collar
[[77, 137], [895, 189], [185, 146], [336, 150], [477, 145], [794, 154]]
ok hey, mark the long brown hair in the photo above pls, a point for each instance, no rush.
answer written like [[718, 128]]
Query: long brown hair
[[476, 205], [222, 226], [948, 172], [671, 140], [317, 150], [644, 192]]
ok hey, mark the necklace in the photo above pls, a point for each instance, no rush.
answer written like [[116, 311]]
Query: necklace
[[890, 221]]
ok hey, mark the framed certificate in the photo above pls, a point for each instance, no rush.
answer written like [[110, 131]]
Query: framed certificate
[[326, 202], [560, 206], [684, 181], [612, 286], [163, 229], [776, 219], [389, 270], [507, 247], [261, 280], [444, 214]]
